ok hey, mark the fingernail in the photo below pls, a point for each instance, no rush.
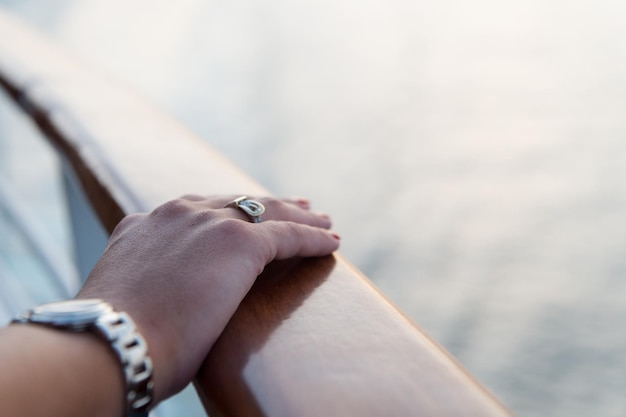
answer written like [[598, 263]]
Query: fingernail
[[335, 235], [303, 202]]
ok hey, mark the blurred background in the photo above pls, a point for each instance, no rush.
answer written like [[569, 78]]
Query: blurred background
[[472, 155]]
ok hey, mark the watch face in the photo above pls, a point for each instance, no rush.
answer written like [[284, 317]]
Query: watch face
[[74, 314]]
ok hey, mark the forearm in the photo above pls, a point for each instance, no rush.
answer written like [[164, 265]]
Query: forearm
[[180, 272], [67, 374]]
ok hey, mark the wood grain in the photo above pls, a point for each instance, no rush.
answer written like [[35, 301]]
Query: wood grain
[[313, 337]]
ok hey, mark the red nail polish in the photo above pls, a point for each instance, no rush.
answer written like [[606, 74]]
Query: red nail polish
[[335, 235], [305, 205]]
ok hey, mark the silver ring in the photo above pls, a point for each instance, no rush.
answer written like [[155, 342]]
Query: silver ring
[[252, 208]]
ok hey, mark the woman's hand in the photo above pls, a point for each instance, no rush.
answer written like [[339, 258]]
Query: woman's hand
[[182, 270]]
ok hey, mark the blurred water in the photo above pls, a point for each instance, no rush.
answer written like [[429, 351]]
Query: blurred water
[[471, 154]]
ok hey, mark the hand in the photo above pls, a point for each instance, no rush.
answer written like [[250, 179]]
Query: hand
[[181, 271]]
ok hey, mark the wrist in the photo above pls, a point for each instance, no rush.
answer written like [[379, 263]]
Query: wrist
[[69, 374], [115, 330], [162, 338]]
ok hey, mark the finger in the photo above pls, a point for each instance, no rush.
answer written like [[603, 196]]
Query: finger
[[278, 209], [220, 201], [301, 202], [193, 197], [291, 239], [286, 210], [212, 201]]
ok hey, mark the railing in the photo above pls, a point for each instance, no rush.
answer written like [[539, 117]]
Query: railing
[[324, 342]]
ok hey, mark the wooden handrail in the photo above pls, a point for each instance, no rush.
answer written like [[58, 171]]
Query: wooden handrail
[[323, 342]]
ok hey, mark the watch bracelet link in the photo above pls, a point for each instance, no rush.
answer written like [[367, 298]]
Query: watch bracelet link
[[130, 347]]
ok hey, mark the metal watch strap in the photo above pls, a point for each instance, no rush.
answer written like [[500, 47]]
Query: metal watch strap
[[119, 330]]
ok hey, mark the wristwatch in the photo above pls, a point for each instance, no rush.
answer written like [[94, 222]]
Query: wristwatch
[[118, 329]]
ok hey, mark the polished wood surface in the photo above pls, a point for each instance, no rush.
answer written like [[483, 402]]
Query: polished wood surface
[[313, 337]]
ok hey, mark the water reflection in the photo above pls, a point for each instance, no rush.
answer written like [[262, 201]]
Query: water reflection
[[471, 154]]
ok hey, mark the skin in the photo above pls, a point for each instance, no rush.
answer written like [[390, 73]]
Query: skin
[[180, 272]]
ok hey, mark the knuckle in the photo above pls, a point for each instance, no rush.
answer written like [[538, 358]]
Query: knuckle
[[202, 217], [292, 229], [233, 229], [127, 222], [191, 197], [246, 240], [172, 208], [297, 233], [272, 204], [292, 233]]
